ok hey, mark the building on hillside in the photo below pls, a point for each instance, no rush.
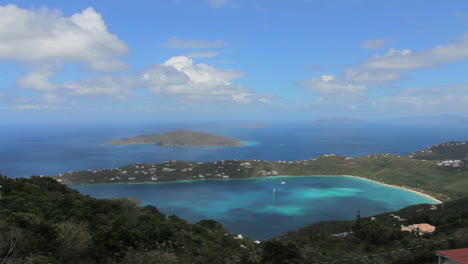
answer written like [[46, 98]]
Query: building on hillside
[[419, 229], [453, 256]]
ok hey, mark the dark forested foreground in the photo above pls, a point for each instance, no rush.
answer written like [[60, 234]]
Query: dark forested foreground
[[43, 221]]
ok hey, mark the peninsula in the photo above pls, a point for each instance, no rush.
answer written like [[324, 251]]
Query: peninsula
[[441, 179], [183, 137]]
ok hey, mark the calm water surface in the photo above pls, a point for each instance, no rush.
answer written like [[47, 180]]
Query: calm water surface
[[262, 208], [27, 150]]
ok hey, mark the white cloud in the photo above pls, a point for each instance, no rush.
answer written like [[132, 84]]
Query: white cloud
[[114, 87], [44, 36], [388, 68], [382, 78], [27, 107], [180, 77], [221, 3], [179, 43], [329, 84], [37, 80], [375, 43], [408, 60], [446, 99], [203, 54]]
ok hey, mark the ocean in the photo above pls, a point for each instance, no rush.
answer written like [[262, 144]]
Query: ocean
[[259, 208], [51, 149]]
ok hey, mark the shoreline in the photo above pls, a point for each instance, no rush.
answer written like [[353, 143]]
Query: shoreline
[[279, 176], [396, 186]]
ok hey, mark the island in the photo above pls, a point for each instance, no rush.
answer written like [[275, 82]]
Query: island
[[441, 179], [183, 137]]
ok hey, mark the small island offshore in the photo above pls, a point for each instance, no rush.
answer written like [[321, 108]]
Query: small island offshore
[[183, 137]]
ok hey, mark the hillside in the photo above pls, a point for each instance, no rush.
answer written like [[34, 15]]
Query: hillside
[[444, 151], [379, 239], [42, 221], [182, 137]]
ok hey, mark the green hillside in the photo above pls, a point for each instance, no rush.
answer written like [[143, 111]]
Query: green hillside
[[44, 222], [444, 151]]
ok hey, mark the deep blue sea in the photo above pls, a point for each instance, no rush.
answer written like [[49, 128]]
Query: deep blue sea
[[248, 207], [27, 150]]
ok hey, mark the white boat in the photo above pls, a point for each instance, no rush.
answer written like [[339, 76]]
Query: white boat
[[283, 182]]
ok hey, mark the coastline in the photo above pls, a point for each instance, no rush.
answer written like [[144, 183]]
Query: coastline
[[396, 186], [280, 176]]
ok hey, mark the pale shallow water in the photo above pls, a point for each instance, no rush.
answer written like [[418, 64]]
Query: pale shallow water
[[263, 207]]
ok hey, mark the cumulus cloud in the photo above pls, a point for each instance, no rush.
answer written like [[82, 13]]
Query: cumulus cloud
[[329, 84], [45, 35], [179, 43], [114, 87], [375, 43], [180, 77], [389, 67]]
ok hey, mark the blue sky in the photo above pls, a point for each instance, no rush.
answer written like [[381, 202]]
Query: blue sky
[[232, 59]]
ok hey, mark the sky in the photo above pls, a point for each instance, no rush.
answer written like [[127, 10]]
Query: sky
[[148, 60]]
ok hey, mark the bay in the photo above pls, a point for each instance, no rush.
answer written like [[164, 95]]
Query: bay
[[264, 207]]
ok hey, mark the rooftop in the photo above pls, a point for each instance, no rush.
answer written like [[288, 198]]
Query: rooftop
[[459, 255]]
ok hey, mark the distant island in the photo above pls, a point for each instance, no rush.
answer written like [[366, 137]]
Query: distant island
[[256, 125], [183, 137], [338, 121]]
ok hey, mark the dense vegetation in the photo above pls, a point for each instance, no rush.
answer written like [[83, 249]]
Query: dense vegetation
[[181, 137], [42, 221]]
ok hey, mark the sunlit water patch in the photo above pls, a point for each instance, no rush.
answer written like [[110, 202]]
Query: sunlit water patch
[[264, 207], [249, 143]]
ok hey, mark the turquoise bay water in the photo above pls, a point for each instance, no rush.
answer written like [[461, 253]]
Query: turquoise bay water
[[263, 207]]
